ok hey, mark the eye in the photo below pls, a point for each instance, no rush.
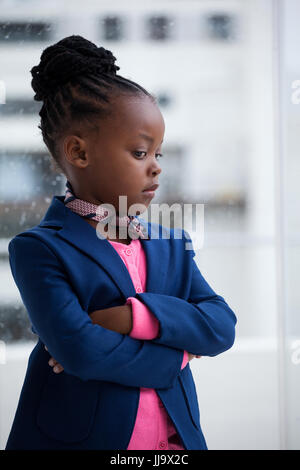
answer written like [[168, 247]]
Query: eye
[[139, 151], [160, 155]]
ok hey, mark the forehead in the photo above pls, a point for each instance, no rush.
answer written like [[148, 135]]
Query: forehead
[[133, 116]]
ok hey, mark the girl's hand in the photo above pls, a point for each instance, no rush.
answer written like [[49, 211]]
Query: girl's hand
[[191, 356], [57, 368]]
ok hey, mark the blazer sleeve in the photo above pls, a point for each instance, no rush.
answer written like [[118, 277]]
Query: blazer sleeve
[[145, 325], [84, 349], [204, 324]]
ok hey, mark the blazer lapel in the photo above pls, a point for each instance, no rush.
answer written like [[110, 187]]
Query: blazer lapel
[[82, 235], [157, 253]]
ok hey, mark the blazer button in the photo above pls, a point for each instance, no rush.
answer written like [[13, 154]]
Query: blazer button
[[128, 251], [138, 289], [162, 444]]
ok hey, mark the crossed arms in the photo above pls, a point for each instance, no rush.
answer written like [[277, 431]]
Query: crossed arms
[[120, 319], [204, 324]]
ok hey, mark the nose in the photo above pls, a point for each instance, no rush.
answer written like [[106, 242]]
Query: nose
[[155, 168]]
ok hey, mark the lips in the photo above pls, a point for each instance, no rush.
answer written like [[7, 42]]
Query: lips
[[152, 188]]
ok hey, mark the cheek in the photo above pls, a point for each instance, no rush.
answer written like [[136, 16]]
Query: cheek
[[104, 172], [119, 175], [130, 174]]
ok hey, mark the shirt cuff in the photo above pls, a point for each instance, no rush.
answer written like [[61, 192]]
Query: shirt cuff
[[144, 324], [185, 359]]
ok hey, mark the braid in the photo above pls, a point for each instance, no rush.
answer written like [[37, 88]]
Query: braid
[[75, 79]]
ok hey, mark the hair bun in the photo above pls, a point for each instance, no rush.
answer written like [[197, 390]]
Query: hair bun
[[67, 59]]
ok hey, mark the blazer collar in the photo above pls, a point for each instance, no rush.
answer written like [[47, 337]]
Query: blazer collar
[[79, 233]]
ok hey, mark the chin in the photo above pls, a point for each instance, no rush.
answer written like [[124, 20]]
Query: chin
[[140, 206]]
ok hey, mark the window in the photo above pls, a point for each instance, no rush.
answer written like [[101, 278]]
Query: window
[[26, 180], [112, 28], [159, 27], [164, 100], [220, 27], [20, 107], [24, 31], [219, 150], [27, 184]]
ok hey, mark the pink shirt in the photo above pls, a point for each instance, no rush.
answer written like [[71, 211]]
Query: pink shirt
[[153, 428]]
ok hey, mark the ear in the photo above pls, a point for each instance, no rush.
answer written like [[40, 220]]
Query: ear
[[74, 149]]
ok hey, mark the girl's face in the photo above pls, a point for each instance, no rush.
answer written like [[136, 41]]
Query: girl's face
[[121, 158]]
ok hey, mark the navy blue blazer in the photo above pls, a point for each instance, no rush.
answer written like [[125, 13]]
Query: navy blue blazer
[[64, 271]]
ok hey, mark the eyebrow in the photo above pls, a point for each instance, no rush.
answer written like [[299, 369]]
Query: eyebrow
[[147, 137]]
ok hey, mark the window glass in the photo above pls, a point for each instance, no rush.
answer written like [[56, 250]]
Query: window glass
[[112, 27], [211, 66], [14, 31]]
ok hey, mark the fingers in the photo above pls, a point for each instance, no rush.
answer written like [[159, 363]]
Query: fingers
[[57, 368], [52, 362], [191, 356]]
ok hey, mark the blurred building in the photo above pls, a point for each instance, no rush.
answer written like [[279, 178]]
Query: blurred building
[[211, 65], [208, 63]]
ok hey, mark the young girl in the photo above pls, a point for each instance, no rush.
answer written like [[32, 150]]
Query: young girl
[[118, 318]]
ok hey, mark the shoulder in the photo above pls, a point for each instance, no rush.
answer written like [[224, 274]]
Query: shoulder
[[31, 243], [40, 231]]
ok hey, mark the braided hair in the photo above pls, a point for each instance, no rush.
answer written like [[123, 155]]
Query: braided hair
[[76, 81]]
